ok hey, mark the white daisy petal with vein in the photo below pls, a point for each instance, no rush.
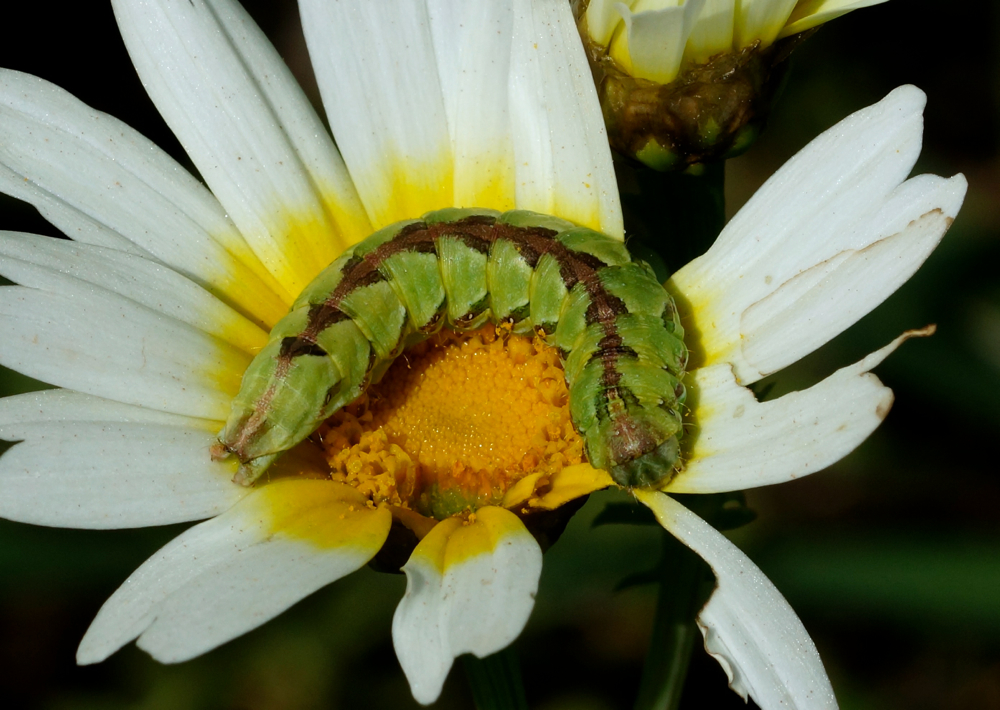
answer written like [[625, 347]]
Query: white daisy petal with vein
[[654, 39], [164, 296]]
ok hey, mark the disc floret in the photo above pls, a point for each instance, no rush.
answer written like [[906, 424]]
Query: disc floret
[[455, 423]]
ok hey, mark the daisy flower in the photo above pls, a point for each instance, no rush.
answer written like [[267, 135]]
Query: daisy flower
[[684, 82], [654, 39], [148, 319]]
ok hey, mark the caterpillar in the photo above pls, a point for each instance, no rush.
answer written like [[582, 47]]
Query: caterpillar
[[616, 327]]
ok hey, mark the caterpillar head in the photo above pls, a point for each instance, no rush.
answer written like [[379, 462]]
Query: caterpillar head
[[284, 397]]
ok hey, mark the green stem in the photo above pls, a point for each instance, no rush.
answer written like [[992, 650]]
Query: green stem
[[681, 595], [496, 681], [671, 218]]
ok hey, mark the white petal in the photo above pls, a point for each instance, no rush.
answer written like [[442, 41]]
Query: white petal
[[229, 575], [561, 149], [819, 303], [742, 443], [812, 13], [249, 129], [101, 182], [602, 20], [435, 121], [760, 20], [472, 42], [839, 195], [20, 412], [59, 266], [377, 72], [85, 462], [102, 344], [713, 31], [748, 626], [652, 45], [469, 589]]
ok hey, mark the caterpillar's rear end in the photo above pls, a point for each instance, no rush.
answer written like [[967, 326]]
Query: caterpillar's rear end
[[624, 369], [614, 323]]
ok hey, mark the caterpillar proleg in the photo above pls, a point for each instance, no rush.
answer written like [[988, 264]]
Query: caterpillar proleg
[[616, 327]]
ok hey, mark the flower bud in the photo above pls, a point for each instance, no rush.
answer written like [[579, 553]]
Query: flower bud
[[683, 82]]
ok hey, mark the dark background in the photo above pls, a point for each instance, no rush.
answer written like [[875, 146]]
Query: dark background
[[891, 557]]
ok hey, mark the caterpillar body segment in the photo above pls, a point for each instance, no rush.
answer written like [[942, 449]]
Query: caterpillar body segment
[[615, 325]]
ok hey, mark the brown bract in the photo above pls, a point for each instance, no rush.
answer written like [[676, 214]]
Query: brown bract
[[710, 112]]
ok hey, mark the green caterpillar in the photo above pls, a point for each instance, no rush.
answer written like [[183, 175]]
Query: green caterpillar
[[616, 327]]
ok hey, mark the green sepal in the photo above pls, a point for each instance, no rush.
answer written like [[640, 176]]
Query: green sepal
[[658, 157], [744, 138], [710, 112], [442, 503]]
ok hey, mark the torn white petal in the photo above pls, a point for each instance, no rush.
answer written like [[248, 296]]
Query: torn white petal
[[470, 589], [808, 231], [748, 626], [742, 443]]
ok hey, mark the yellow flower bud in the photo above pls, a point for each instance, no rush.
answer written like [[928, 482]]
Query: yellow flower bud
[[686, 81]]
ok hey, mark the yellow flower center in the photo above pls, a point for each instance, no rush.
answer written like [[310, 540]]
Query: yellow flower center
[[455, 422]]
